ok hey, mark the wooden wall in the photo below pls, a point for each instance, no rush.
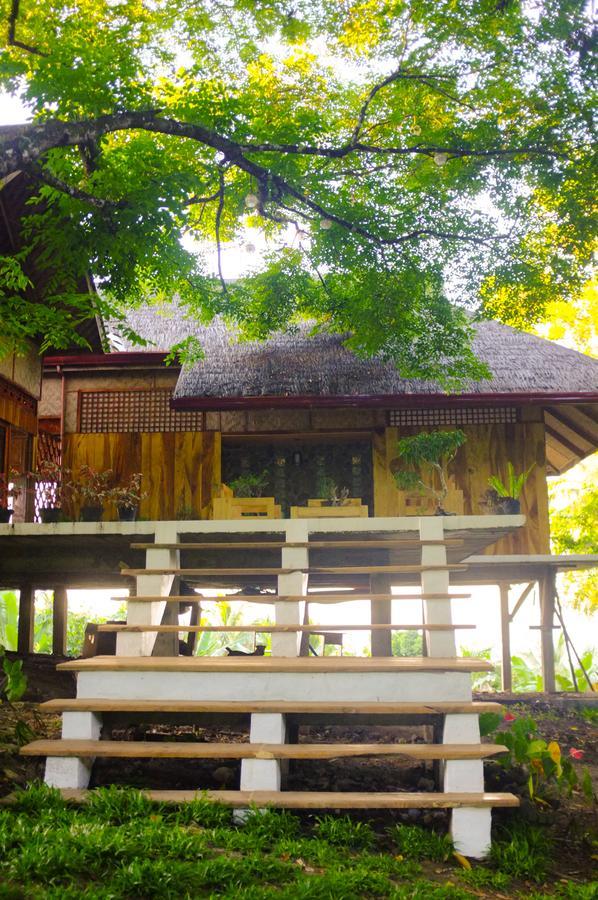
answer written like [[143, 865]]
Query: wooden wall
[[487, 451], [179, 468]]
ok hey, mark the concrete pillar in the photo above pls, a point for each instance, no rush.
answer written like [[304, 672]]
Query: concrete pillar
[[69, 772], [294, 584], [436, 612], [142, 644], [59, 621], [505, 631], [264, 774], [470, 826], [26, 619]]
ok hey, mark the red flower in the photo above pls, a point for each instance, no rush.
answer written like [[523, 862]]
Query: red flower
[[509, 717], [576, 754]]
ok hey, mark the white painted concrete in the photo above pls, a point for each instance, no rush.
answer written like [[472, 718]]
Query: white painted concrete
[[81, 726], [470, 830], [341, 686], [142, 644], [436, 612], [293, 584], [264, 774], [74, 773]]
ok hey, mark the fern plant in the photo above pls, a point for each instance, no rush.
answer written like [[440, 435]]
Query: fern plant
[[514, 484]]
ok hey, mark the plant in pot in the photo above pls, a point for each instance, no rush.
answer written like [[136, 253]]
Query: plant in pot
[[127, 498], [329, 491], [504, 497], [48, 481], [9, 491], [423, 462], [250, 485], [88, 491]]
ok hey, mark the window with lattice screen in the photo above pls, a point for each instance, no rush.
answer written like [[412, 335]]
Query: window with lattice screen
[[474, 415], [134, 411]]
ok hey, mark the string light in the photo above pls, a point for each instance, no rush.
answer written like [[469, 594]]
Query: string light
[[441, 159], [251, 201], [326, 224], [416, 129]]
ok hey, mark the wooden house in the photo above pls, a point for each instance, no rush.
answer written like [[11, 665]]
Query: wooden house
[[300, 411]]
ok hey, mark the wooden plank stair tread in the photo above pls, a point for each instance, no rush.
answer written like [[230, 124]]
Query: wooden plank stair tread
[[324, 799], [265, 628], [309, 570], [107, 704], [275, 664], [315, 597], [199, 750], [301, 545]]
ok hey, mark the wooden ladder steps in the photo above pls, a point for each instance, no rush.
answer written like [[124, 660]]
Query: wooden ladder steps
[[268, 664], [302, 545], [266, 628], [323, 799], [199, 750], [315, 597], [380, 707], [309, 570]]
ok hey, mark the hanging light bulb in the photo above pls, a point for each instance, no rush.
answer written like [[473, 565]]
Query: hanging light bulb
[[415, 129], [250, 248], [326, 224], [441, 159], [251, 201]]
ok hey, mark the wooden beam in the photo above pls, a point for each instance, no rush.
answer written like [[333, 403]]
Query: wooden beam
[[576, 419], [522, 598], [323, 799], [310, 570], [547, 608], [242, 750], [26, 619], [291, 545], [507, 679], [248, 664], [380, 612], [266, 628], [378, 707], [315, 597], [59, 621]]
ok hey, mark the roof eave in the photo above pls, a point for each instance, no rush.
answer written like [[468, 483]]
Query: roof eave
[[381, 400], [109, 360]]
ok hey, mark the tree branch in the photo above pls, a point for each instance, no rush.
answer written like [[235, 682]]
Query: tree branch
[[76, 193], [12, 27]]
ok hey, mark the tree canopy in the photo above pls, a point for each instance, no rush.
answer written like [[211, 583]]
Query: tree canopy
[[399, 161]]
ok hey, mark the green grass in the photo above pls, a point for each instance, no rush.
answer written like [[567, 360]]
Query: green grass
[[121, 846]]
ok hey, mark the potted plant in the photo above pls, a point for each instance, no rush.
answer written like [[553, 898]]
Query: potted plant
[[249, 485], [127, 498], [8, 491], [423, 456], [503, 497], [89, 490], [50, 476]]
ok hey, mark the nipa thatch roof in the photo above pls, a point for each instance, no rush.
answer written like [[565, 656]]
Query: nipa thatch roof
[[297, 364]]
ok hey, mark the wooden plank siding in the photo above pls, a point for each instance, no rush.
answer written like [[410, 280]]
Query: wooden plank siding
[[486, 452], [179, 468], [18, 411]]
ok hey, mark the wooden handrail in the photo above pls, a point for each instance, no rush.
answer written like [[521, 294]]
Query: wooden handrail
[[294, 545]]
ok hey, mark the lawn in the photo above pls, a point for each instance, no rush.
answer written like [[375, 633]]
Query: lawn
[[120, 845]]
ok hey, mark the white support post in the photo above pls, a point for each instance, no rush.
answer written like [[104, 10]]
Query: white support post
[[470, 827], [294, 584], [65, 772], [264, 774], [142, 643], [436, 612]]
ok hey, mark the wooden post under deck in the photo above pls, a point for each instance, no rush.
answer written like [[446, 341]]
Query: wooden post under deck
[[26, 619], [547, 605], [381, 612], [505, 632], [59, 620]]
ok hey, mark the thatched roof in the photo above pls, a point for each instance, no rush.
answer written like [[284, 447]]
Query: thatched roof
[[299, 365]]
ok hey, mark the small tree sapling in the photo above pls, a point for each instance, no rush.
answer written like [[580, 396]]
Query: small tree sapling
[[424, 455]]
